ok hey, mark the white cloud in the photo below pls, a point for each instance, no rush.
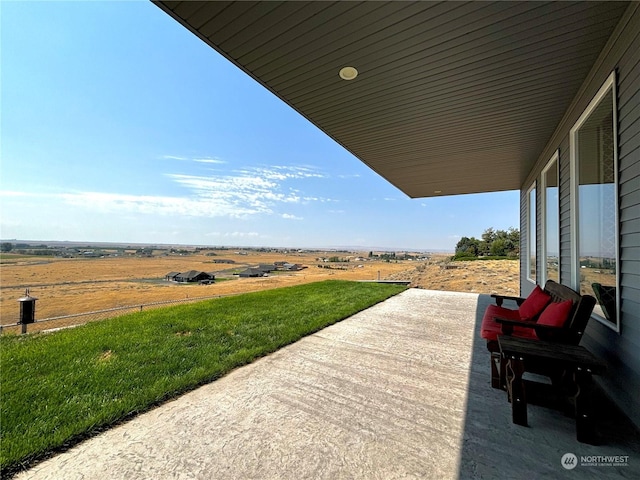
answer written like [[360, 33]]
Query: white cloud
[[235, 195], [248, 191], [240, 194], [194, 159], [283, 172], [162, 205], [291, 217], [318, 199], [209, 160]]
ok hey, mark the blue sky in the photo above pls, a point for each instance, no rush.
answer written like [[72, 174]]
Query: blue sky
[[119, 125]]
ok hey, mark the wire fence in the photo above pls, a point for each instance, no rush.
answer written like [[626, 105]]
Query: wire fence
[[73, 320]]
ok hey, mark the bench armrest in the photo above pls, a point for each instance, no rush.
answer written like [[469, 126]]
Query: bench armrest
[[500, 298], [507, 324], [544, 332]]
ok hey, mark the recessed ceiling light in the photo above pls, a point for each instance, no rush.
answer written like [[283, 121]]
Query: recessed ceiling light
[[348, 73], [437, 191]]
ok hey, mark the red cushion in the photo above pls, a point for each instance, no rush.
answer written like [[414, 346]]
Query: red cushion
[[525, 333], [534, 304], [490, 329], [556, 314]]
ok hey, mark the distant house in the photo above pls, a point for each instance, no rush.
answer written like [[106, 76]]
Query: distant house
[[266, 268], [190, 276], [171, 276], [251, 272], [292, 267]]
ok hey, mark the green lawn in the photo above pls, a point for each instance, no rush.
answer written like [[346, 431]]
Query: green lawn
[[61, 387]]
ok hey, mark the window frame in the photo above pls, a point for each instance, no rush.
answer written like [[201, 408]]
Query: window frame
[[608, 86], [544, 274], [532, 241]]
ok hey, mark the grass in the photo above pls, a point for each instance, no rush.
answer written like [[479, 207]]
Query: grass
[[60, 388]]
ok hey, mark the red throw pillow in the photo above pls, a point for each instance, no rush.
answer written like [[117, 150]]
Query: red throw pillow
[[556, 314], [534, 304]]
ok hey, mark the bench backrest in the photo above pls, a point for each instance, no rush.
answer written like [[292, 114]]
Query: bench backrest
[[580, 312]]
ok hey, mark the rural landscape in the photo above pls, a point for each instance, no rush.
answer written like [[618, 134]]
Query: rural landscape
[[108, 375], [74, 279]]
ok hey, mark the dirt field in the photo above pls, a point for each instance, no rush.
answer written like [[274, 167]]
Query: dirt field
[[70, 286], [489, 276]]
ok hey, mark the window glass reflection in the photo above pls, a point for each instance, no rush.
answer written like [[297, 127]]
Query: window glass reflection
[[597, 232], [552, 208]]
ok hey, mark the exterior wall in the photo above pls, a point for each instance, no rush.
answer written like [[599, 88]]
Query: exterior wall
[[621, 350], [526, 285], [565, 212]]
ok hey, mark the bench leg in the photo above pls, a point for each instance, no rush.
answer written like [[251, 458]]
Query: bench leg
[[498, 373], [495, 373], [585, 421], [503, 372], [515, 390]]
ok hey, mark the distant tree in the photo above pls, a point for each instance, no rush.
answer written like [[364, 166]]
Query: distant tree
[[513, 234], [6, 246], [498, 248], [487, 238], [493, 242], [468, 247], [489, 235]]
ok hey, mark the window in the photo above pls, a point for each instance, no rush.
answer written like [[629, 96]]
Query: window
[[550, 222], [594, 167], [531, 233]]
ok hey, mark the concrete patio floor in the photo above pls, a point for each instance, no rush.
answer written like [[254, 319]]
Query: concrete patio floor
[[400, 390]]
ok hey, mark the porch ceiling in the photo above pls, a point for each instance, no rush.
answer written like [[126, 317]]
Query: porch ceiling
[[451, 97]]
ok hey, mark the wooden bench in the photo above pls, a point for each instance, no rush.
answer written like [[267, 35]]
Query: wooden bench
[[520, 355], [569, 334]]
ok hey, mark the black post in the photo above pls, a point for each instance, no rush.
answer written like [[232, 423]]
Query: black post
[[27, 310]]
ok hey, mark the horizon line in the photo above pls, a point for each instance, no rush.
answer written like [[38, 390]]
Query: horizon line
[[213, 247]]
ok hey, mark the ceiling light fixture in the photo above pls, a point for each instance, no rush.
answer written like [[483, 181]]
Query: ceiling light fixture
[[348, 73]]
